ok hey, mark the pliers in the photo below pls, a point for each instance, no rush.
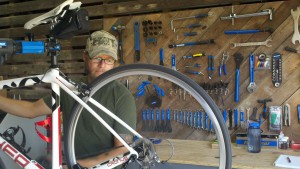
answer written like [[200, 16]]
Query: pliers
[[223, 64]]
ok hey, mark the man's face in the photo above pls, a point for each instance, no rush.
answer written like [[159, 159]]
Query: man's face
[[98, 65]]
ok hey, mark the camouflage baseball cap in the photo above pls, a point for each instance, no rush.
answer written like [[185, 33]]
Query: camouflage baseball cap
[[102, 43]]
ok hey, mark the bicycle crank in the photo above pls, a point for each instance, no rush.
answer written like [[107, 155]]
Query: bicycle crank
[[252, 86]]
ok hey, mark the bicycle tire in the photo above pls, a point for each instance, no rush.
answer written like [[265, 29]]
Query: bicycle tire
[[225, 152]]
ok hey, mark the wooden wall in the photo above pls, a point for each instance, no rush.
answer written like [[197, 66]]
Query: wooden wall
[[108, 13]]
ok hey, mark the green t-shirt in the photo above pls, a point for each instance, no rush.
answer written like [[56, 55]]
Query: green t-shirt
[[92, 137]]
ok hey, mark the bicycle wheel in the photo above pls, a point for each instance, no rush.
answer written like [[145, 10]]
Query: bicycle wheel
[[187, 84]]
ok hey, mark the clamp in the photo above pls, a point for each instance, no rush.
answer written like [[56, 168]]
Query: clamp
[[223, 64]]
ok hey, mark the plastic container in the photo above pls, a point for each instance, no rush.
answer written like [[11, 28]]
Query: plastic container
[[254, 138]]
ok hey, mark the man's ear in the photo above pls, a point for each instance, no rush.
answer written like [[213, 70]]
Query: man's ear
[[84, 55]]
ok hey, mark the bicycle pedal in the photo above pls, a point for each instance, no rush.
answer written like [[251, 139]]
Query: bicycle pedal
[[276, 69]]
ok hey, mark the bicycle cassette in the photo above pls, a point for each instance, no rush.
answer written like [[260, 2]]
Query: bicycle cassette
[[276, 69]]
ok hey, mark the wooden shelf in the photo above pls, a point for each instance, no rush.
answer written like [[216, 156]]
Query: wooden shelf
[[201, 153]]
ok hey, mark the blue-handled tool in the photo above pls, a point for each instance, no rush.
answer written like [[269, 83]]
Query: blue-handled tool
[[225, 115], [238, 61], [161, 56], [190, 34], [191, 119], [200, 124], [169, 127], [223, 68], [173, 58], [211, 127], [236, 118], [230, 119], [152, 125], [298, 108], [203, 42], [144, 118], [148, 115], [210, 67], [194, 72], [195, 119], [163, 123], [206, 122], [181, 117], [157, 123], [252, 86], [248, 31], [137, 48]]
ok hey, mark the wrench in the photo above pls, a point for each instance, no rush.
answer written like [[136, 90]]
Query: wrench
[[265, 43], [295, 14], [252, 86]]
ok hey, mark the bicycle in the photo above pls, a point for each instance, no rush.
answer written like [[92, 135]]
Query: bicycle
[[83, 94]]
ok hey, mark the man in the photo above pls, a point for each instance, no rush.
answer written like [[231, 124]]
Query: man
[[91, 137]]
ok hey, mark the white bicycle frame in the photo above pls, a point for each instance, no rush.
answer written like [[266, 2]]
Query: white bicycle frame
[[52, 76]]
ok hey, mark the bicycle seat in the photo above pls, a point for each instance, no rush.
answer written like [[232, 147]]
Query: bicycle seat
[[47, 17]]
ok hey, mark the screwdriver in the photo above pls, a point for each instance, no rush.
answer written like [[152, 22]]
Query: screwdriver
[[194, 55], [291, 49]]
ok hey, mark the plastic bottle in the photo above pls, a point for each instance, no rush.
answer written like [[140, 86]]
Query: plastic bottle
[[254, 137]]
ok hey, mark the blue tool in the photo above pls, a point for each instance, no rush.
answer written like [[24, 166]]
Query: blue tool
[[161, 56], [163, 123], [236, 117], [195, 121], [193, 72], [173, 58], [137, 41], [157, 124], [181, 117], [200, 126], [238, 61], [190, 34], [223, 67], [298, 108], [225, 115], [168, 126], [249, 31], [206, 122], [152, 125], [144, 118], [148, 120], [211, 127], [252, 86], [191, 119], [210, 67]]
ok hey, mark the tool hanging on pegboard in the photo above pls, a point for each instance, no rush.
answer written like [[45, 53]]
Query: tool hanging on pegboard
[[276, 69], [137, 48]]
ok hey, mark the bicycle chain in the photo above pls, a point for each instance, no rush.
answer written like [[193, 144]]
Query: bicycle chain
[[276, 69]]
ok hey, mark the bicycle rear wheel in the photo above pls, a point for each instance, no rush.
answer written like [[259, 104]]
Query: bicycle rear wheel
[[184, 82]]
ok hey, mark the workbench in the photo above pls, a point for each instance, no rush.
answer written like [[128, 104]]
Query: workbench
[[184, 153]]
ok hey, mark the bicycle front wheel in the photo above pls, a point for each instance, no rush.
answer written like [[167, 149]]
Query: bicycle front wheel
[[166, 75]]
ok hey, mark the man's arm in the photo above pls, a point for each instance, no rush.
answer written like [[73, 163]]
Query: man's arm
[[24, 108], [92, 161]]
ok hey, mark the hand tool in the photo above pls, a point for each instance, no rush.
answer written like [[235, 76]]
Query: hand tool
[[161, 56], [190, 34], [189, 17], [238, 60], [200, 122], [184, 118], [248, 31], [181, 118], [210, 67], [223, 64], [236, 119], [148, 123], [230, 119], [119, 29], [252, 86], [163, 123], [211, 127], [265, 110], [266, 43], [298, 110], [276, 69], [191, 124], [291, 49], [203, 42], [152, 125], [137, 41], [151, 40], [175, 114], [286, 115], [206, 122], [295, 14], [253, 115], [242, 119], [193, 72], [157, 123], [194, 65], [232, 16], [195, 121], [193, 56], [168, 123], [224, 115], [144, 118], [191, 26], [173, 58]]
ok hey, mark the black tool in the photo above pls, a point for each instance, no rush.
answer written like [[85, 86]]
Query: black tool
[[161, 56], [253, 115], [157, 123], [119, 29], [276, 69], [210, 67], [248, 31], [168, 123], [230, 119], [238, 61], [163, 123], [298, 109], [203, 42], [289, 49], [265, 110], [144, 120], [137, 41]]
